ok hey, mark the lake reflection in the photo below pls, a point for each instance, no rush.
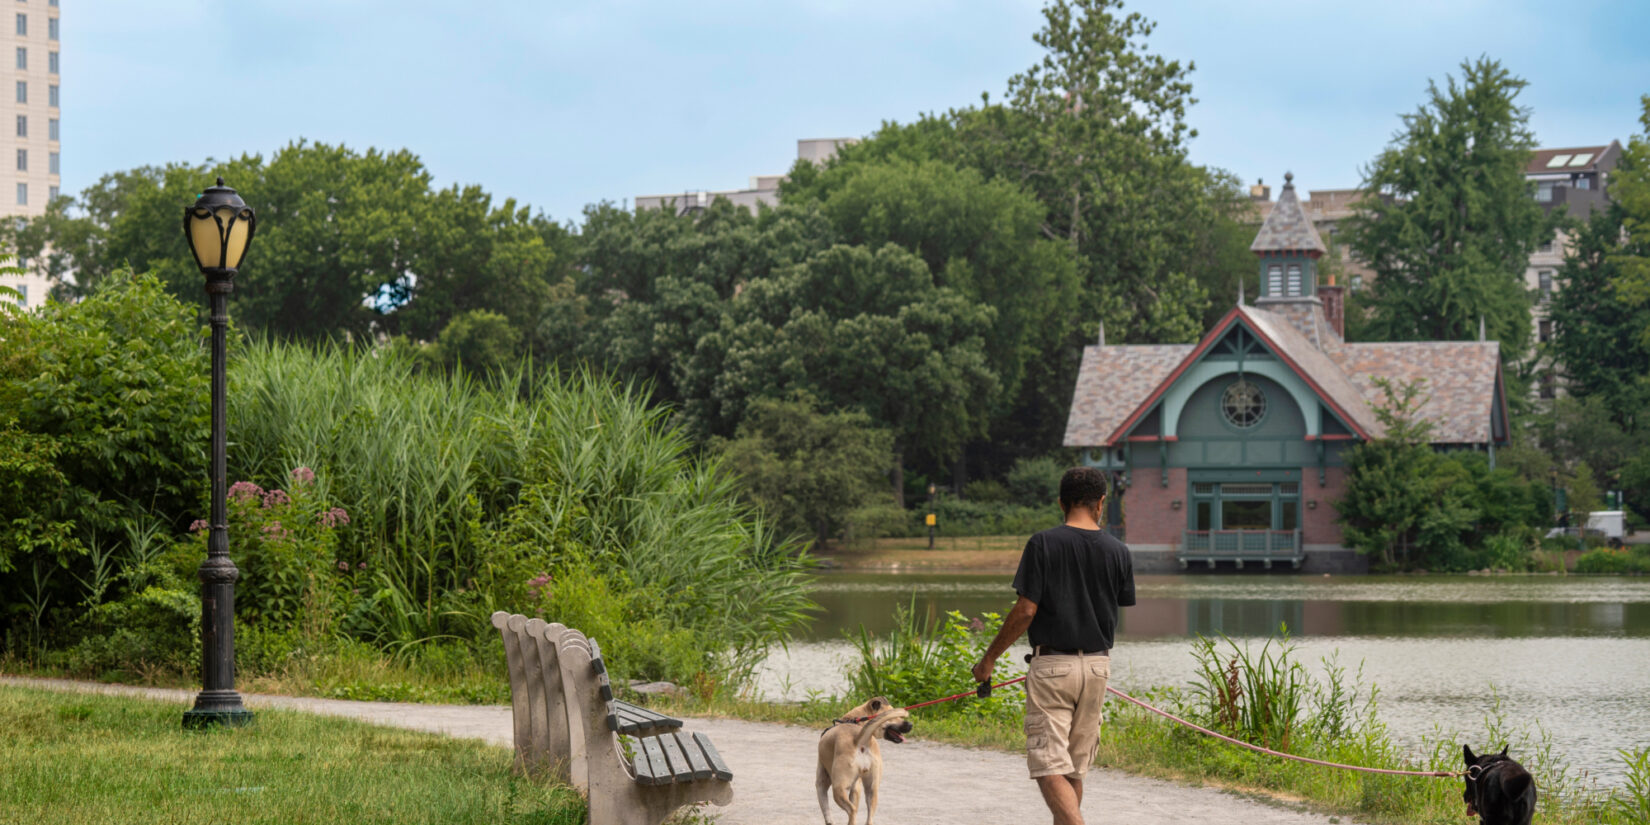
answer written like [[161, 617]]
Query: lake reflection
[[1571, 653]]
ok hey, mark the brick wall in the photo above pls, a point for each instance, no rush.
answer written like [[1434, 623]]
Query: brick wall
[[1318, 524], [1149, 516]]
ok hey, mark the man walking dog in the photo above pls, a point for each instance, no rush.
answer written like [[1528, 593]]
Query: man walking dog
[[1071, 581]]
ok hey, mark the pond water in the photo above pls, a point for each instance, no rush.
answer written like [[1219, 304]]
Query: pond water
[[1569, 653]]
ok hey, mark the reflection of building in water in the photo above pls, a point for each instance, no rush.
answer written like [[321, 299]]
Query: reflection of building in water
[[1243, 617]]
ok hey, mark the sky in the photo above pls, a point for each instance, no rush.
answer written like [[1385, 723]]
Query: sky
[[563, 103]]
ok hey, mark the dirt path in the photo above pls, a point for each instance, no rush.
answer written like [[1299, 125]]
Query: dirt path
[[923, 783]]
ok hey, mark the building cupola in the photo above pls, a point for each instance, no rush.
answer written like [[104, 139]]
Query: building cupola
[[1288, 247]]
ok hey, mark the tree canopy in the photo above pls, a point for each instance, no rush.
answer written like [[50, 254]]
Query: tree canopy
[[1448, 223]]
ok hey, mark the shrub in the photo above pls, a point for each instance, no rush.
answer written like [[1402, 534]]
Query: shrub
[[986, 490], [877, 521], [804, 468], [926, 658], [1606, 560], [1035, 482]]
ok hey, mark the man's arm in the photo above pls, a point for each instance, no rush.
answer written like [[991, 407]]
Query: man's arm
[[1019, 618]]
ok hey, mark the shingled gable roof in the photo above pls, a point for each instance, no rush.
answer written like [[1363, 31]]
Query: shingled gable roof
[[1461, 380], [1287, 229], [1112, 383]]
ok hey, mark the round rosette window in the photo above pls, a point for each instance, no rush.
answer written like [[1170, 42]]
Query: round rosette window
[[1243, 404]]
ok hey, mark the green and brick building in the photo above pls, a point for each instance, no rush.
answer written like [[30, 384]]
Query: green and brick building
[[1230, 451]]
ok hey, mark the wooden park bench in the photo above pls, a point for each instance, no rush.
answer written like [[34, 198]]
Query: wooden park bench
[[568, 723]]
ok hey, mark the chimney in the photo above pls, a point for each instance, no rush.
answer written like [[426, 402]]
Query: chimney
[[1260, 191], [1333, 298]]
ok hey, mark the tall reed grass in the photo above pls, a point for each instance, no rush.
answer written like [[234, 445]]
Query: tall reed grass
[[461, 490]]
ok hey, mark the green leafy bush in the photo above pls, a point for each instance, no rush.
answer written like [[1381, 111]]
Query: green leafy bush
[[925, 658], [806, 468], [1607, 560], [1035, 482]]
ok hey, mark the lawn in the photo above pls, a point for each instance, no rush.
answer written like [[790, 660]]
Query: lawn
[[77, 758]]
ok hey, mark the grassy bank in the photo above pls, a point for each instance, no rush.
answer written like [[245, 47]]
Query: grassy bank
[[77, 758]]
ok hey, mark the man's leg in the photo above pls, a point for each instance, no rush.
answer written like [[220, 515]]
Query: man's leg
[[1063, 798]]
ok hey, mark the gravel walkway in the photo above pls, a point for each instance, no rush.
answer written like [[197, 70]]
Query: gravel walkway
[[923, 783]]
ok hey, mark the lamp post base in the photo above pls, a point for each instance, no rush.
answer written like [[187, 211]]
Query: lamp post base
[[215, 709]]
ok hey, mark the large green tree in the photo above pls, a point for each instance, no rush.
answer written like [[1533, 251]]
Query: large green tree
[[1630, 189], [1448, 224], [348, 243], [869, 330], [1601, 336]]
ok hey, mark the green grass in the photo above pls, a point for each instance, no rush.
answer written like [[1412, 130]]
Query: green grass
[[77, 758]]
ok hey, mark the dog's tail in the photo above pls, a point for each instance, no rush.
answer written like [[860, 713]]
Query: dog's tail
[[872, 729]]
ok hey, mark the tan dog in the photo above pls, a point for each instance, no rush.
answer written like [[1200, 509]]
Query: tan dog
[[850, 758]]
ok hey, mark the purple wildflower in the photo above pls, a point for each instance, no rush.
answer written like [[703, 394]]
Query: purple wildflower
[[303, 475], [361, 566], [276, 498], [334, 517], [198, 525], [344, 566], [274, 530], [244, 490], [537, 585]]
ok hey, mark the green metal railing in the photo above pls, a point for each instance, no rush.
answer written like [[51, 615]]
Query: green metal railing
[[1243, 545]]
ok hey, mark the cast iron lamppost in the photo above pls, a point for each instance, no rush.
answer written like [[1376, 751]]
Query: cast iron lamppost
[[218, 226]]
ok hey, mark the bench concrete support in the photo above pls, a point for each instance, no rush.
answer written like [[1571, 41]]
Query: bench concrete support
[[616, 796], [538, 708]]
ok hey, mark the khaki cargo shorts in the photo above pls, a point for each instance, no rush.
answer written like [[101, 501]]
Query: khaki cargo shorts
[[1063, 716]]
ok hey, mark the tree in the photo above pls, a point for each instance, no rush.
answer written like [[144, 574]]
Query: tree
[[806, 468], [1449, 224], [1389, 490], [1630, 189], [653, 283], [1601, 339], [348, 243], [479, 342], [868, 330], [983, 239]]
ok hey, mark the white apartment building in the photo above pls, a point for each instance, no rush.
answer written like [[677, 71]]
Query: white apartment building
[[763, 190], [31, 170], [1575, 179]]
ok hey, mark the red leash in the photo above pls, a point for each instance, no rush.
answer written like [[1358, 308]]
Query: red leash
[[984, 690]]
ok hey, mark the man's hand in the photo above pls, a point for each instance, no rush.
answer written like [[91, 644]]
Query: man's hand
[[982, 671]]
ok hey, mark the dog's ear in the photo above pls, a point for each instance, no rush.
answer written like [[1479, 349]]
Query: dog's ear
[[876, 704], [1466, 753], [1503, 748]]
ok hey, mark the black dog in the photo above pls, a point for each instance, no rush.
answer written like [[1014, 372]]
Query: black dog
[[1499, 790]]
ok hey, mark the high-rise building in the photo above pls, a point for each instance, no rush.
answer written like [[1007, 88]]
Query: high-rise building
[[32, 169]]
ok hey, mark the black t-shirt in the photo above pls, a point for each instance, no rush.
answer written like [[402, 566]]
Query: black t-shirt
[[1078, 578]]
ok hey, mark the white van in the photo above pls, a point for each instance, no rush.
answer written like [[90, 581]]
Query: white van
[[1610, 525]]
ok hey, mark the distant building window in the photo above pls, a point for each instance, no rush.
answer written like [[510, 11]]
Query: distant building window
[[22, 160], [53, 164], [1545, 330], [1544, 191], [1274, 279], [51, 95], [1546, 246], [22, 58], [23, 295], [53, 193], [22, 125], [22, 91], [22, 24], [51, 62], [1293, 286], [22, 194], [51, 28], [1545, 283], [51, 129], [1584, 183], [1548, 385], [1357, 282]]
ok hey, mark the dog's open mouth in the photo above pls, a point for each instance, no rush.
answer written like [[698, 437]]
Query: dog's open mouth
[[892, 735], [1471, 811]]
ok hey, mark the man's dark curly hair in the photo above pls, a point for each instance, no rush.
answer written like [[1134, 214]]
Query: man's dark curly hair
[[1082, 487]]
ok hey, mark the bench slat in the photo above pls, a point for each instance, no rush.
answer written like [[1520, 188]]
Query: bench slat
[[718, 767], [658, 770], [679, 765], [696, 758]]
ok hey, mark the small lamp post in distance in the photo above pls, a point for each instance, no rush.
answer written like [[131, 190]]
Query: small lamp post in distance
[[930, 520], [219, 228]]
